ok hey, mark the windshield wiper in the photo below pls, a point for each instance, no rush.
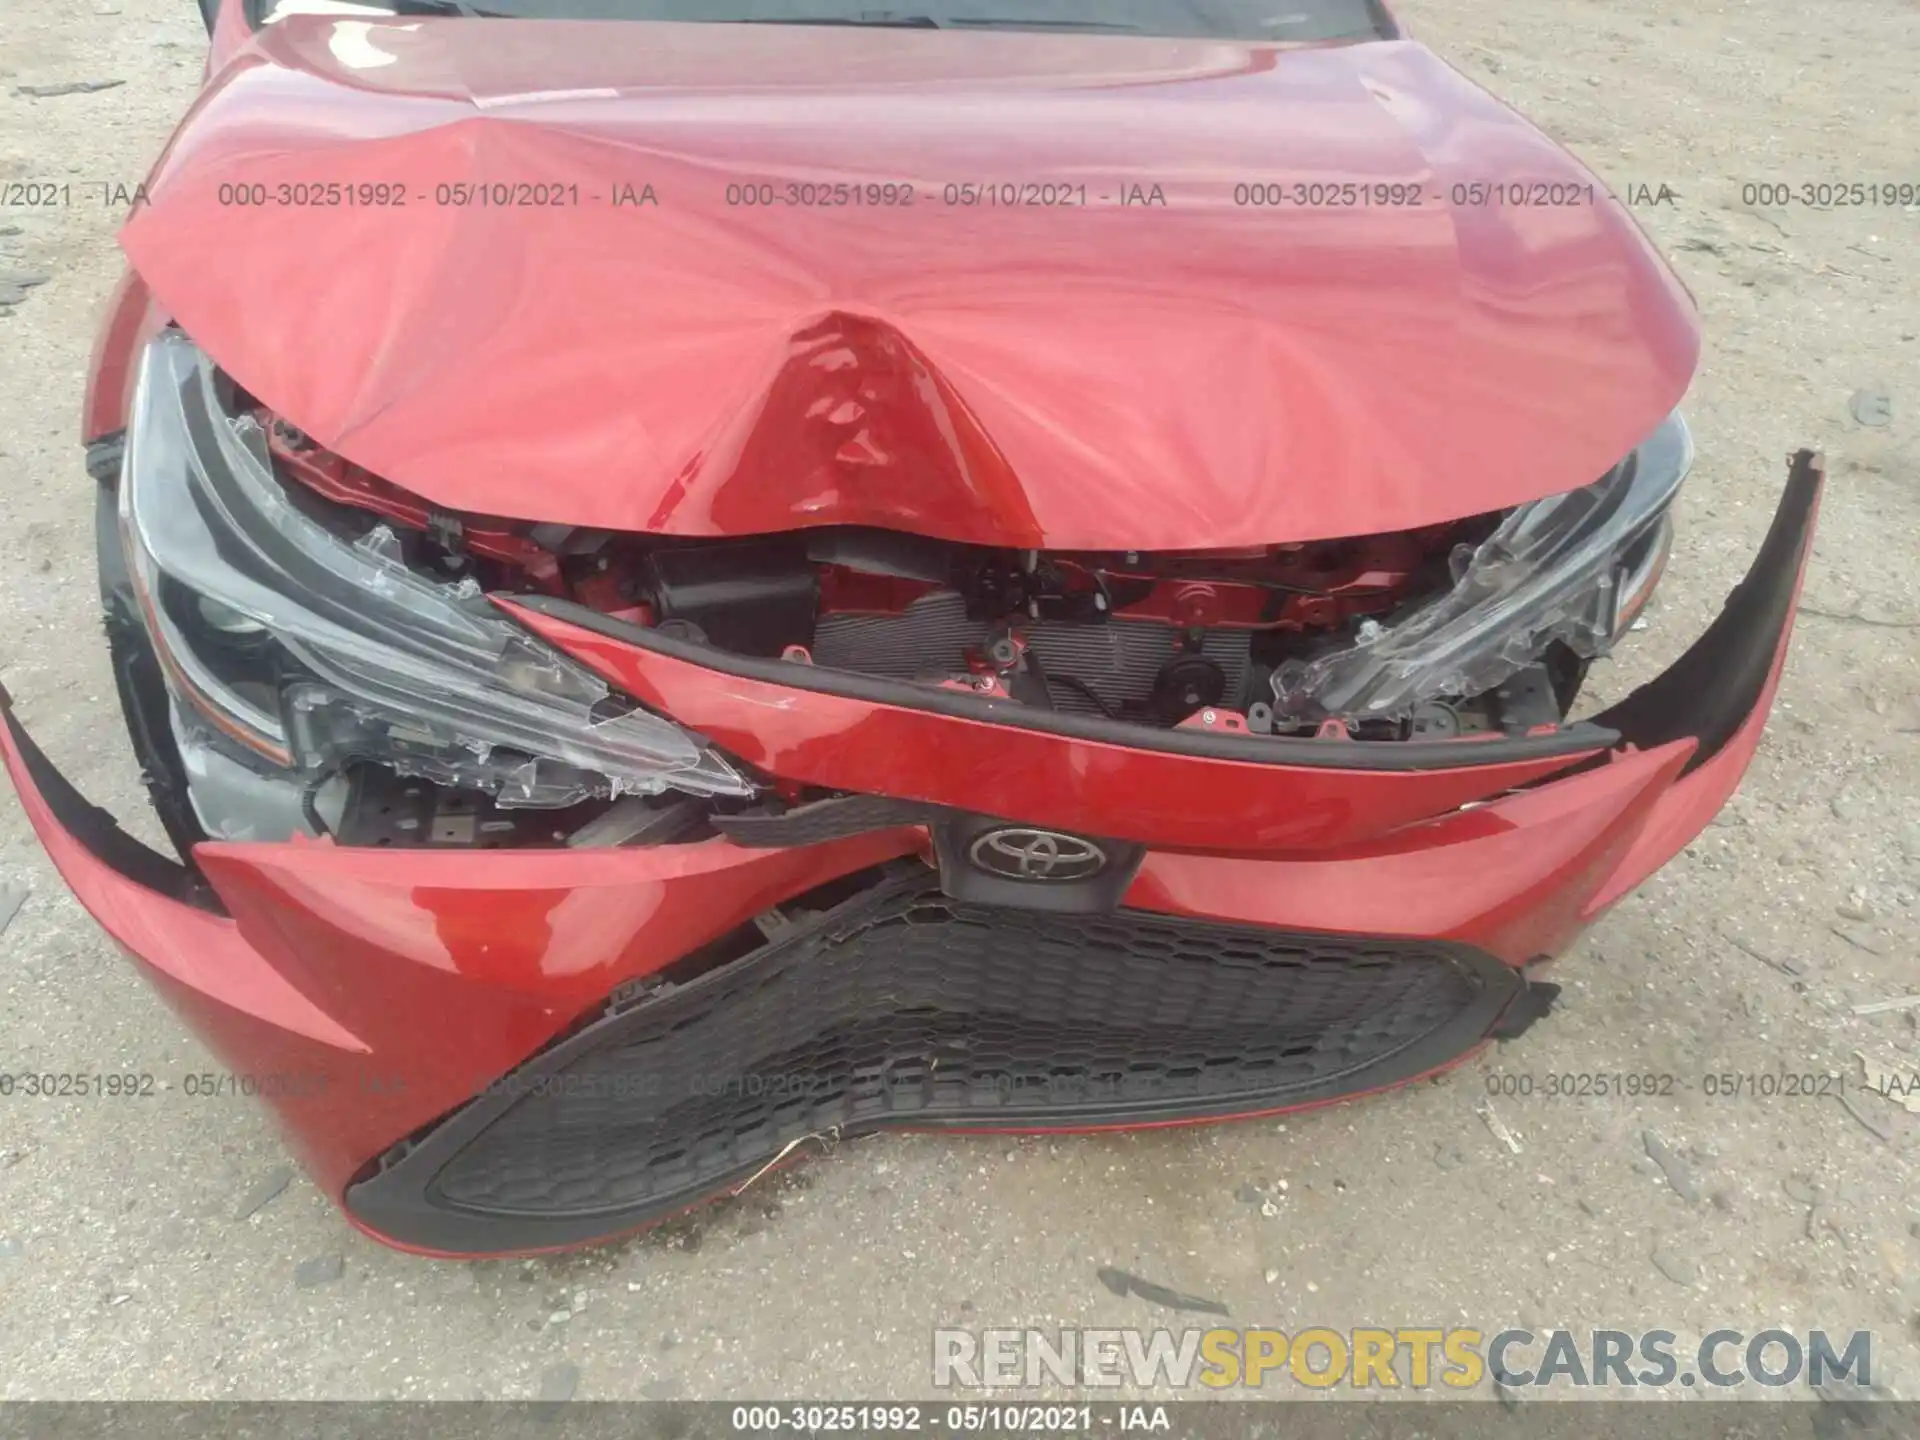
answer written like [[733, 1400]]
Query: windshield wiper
[[927, 22], [445, 7], [996, 22], [878, 18]]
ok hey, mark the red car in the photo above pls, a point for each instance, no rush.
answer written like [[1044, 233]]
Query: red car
[[688, 575]]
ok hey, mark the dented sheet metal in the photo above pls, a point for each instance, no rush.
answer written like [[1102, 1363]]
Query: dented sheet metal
[[711, 279]]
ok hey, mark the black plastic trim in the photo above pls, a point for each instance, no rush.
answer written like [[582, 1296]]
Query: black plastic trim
[[398, 1197], [100, 833], [136, 674], [1384, 25], [1711, 690], [1392, 756], [823, 820], [1529, 1007], [141, 684], [953, 840], [104, 456], [953, 832]]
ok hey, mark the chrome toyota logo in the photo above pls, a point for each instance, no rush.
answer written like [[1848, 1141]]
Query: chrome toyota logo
[[1037, 855]]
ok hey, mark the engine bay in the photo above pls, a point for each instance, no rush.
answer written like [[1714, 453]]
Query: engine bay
[[333, 664], [1163, 640]]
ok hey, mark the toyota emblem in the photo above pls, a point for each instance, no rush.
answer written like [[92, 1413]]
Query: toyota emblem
[[1046, 855]]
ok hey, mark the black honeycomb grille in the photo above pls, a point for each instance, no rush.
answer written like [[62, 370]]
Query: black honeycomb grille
[[903, 1007]]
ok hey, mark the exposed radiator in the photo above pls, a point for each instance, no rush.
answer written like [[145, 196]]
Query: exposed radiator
[[1116, 659]]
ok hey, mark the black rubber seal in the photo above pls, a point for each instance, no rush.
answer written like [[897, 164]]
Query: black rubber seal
[[1390, 756], [1712, 690]]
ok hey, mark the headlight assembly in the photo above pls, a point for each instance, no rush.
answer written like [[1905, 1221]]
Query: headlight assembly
[[1573, 568], [310, 647]]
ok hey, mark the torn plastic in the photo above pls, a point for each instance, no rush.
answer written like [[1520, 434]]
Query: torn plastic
[[235, 801], [399, 667], [331, 730], [1551, 572]]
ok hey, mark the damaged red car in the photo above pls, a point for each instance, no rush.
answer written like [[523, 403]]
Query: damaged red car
[[687, 575]]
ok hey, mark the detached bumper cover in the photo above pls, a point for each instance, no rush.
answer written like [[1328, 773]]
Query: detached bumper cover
[[401, 1010]]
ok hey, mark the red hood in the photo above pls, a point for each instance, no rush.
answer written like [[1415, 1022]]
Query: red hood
[[1199, 375]]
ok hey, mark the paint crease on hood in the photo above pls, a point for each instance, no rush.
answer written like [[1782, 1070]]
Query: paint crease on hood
[[529, 268]]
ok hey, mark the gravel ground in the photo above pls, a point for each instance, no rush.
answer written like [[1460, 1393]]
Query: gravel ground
[[127, 1270]]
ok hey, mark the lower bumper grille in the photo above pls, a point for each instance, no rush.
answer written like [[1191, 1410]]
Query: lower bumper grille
[[902, 1007]]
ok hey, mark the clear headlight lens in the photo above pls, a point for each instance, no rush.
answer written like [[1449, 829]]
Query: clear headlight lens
[[1573, 568], [311, 647]]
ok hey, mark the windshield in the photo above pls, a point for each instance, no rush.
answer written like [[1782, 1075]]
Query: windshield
[[1276, 20]]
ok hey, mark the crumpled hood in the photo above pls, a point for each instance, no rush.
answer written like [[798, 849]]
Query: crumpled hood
[[1191, 374]]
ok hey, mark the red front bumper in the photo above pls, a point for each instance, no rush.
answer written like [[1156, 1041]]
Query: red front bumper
[[371, 994]]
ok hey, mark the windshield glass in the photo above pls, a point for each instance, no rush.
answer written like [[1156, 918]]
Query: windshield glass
[[1275, 20]]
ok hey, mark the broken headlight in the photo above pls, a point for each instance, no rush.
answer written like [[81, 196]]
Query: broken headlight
[[1573, 569], [308, 646]]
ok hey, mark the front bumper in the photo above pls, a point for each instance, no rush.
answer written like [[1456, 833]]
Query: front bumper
[[486, 1051]]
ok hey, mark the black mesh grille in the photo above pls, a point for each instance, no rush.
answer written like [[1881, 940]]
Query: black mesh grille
[[902, 1007]]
